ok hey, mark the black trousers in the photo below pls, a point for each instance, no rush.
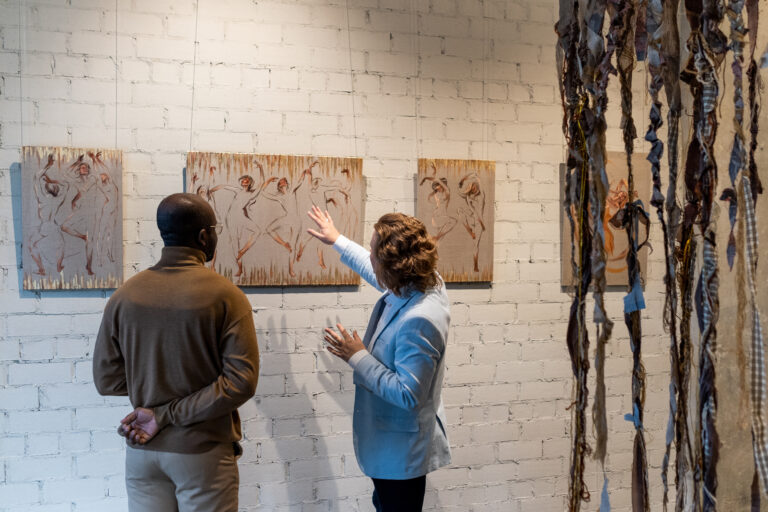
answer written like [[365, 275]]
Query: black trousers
[[399, 495]]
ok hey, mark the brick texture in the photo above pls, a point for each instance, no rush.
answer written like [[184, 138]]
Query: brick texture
[[444, 79]]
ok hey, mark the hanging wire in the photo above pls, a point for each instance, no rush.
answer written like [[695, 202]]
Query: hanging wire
[[194, 71], [21, 82], [352, 81], [415, 29], [486, 56], [116, 71]]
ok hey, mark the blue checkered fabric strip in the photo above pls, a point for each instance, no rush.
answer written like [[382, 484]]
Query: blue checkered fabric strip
[[757, 355]]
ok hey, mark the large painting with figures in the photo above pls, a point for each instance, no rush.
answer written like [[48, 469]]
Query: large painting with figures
[[616, 241], [454, 199], [262, 203], [72, 218]]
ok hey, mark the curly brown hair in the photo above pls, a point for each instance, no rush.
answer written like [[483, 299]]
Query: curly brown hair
[[407, 254]]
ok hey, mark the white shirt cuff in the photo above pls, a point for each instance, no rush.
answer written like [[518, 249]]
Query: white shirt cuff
[[341, 244], [356, 357]]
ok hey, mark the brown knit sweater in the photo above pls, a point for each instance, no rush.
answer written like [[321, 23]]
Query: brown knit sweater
[[179, 338]]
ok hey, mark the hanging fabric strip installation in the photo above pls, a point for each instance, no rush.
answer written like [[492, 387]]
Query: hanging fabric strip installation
[[748, 192], [677, 426], [708, 49], [576, 206], [737, 164], [599, 188], [656, 27], [621, 34]]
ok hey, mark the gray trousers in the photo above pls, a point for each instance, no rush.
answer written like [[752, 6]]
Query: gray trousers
[[182, 482]]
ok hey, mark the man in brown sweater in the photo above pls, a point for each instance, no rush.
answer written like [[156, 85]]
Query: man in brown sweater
[[178, 339]]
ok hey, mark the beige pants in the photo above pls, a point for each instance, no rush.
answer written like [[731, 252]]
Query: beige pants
[[182, 482]]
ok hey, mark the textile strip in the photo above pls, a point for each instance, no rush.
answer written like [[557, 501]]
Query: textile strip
[[656, 63], [757, 356], [570, 43], [707, 61]]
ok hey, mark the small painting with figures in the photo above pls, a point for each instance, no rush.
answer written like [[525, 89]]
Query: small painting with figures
[[454, 199], [616, 241], [72, 218]]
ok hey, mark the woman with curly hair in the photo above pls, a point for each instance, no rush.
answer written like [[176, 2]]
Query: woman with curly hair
[[399, 421]]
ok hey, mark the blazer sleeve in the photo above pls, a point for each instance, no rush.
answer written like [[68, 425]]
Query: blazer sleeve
[[108, 363], [358, 259], [234, 386], [419, 347]]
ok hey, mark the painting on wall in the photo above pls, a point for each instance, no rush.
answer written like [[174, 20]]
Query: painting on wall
[[262, 203], [72, 218], [616, 244], [454, 199]]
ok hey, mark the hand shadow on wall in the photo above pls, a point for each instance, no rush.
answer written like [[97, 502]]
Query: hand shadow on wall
[[310, 469]]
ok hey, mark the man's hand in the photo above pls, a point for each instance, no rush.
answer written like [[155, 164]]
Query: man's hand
[[343, 345], [326, 232], [139, 427]]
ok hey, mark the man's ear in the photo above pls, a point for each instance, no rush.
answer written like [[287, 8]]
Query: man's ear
[[203, 238]]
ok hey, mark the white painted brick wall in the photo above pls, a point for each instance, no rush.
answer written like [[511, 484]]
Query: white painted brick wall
[[477, 81]]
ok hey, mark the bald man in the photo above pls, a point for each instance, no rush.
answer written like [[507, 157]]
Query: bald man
[[178, 339]]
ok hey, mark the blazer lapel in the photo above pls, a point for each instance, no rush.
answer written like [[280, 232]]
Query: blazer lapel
[[384, 322], [375, 318]]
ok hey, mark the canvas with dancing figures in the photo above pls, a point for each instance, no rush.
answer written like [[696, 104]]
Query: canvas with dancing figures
[[454, 199], [261, 203]]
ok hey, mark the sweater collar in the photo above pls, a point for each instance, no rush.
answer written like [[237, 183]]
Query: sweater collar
[[180, 256]]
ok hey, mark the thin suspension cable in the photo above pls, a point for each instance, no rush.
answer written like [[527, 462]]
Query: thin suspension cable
[[116, 71], [194, 71], [352, 81], [21, 82]]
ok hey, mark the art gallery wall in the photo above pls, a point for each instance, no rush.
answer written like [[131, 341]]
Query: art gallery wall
[[386, 81]]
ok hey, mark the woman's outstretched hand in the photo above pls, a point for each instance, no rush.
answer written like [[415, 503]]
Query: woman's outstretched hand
[[326, 232]]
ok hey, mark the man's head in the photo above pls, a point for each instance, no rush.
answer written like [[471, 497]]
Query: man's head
[[403, 253], [187, 220]]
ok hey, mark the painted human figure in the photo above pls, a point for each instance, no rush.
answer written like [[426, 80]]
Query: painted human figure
[[472, 214], [279, 227], [50, 194], [108, 218], [302, 193], [617, 198], [288, 228], [336, 195], [84, 207], [243, 230], [442, 221]]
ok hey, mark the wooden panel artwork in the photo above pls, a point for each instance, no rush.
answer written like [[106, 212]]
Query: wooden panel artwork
[[454, 199], [72, 218], [616, 245], [262, 202]]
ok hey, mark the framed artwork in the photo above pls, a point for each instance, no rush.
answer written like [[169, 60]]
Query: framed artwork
[[616, 242], [454, 199], [262, 203], [72, 219]]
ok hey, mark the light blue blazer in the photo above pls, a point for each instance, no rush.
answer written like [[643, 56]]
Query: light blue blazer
[[399, 421]]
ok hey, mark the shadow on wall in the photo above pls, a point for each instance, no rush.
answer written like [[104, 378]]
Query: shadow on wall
[[297, 430]]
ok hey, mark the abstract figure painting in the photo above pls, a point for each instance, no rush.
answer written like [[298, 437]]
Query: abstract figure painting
[[261, 201], [72, 218], [616, 245], [454, 199]]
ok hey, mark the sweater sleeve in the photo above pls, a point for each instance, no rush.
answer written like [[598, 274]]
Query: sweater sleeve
[[108, 363], [233, 387]]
